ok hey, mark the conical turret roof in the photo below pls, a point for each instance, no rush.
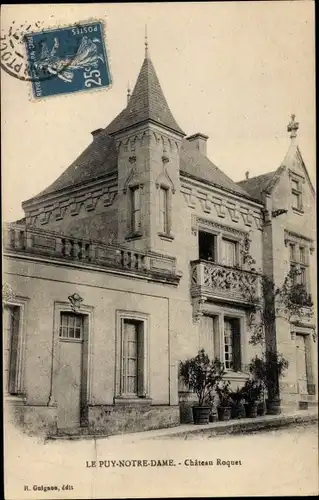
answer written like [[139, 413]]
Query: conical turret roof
[[147, 103]]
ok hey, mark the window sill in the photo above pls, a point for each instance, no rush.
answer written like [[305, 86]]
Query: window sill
[[134, 236], [236, 375], [298, 211], [122, 400], [166, 236], [70, 339]]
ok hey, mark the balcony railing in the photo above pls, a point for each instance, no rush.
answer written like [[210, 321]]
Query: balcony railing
[[47, 244], [224, 283]]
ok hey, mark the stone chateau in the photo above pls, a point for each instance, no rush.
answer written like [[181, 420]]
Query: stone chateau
[[131, 261]]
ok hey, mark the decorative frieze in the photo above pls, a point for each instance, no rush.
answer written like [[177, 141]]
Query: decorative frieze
[[72, 206], [233, 212], [146, 137], [224, 209]]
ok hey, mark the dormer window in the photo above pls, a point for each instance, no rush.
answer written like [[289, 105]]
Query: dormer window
[[296, 193]]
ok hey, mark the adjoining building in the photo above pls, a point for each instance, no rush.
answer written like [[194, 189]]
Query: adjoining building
[[132, 261]]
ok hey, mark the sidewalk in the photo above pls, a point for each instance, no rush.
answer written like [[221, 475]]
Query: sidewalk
[[190, 431]]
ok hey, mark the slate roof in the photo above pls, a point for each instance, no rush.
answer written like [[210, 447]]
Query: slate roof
[[257, 185], [194, 164], [147, 102], [97, 160]]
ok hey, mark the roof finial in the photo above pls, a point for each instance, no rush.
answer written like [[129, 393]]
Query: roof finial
[[146, 43], [128, 92], [293, 127]]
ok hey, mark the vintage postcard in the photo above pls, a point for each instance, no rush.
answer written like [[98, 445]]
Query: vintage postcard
[[159, 249]]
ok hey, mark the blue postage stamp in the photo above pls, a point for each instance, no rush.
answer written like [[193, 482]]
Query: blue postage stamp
[[67, 60]]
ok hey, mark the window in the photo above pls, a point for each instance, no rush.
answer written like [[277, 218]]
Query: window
[[232, 344], [298, 262], [292, 249], [302, 255], [11, 326], [229, 253], [163, 206], [207, 246], [131, 361], [135, 209], [71, 326], [296, 194]]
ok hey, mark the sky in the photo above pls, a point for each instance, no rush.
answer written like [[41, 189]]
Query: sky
[[234, 71]]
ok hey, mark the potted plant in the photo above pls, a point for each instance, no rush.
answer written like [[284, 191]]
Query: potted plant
[[237, 405], [251, 393], [276, 364], [224, 406], [257, 368], [213, 415], [201, 374]]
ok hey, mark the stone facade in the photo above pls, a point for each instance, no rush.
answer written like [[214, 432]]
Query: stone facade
[[144, 279]]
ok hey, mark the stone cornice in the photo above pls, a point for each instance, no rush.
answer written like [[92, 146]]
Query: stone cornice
[[200, 222], [292, 234], [153, 275], [57, 249]]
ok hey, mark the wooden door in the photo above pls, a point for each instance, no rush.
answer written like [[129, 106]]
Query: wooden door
[[72, 373]]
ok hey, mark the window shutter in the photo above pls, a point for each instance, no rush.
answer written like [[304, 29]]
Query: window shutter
[[141, 390], [12, 386], [236, 345]]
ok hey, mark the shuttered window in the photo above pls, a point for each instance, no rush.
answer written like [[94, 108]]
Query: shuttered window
[[232, 344], [229, 253], [11, 322], [132, 360]]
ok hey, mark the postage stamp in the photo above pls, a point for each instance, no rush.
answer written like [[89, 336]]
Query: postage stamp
[[66, 60]]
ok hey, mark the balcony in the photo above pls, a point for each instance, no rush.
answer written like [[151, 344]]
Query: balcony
[[26, 242], [210, 281]]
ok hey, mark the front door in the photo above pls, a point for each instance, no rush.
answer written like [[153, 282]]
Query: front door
[[301, 364], [71, 375]]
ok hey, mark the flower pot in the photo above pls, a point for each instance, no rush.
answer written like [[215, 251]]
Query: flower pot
[[251, 410], [261, 408], [213, 417], [224, 413], [201, 414], [238, 411], [273, 406]]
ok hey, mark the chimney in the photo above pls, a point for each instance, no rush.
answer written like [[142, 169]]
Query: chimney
[[96, 133], [247, 175], [199, 142]]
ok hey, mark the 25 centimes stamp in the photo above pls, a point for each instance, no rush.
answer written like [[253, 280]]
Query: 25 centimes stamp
[[67, 60]]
